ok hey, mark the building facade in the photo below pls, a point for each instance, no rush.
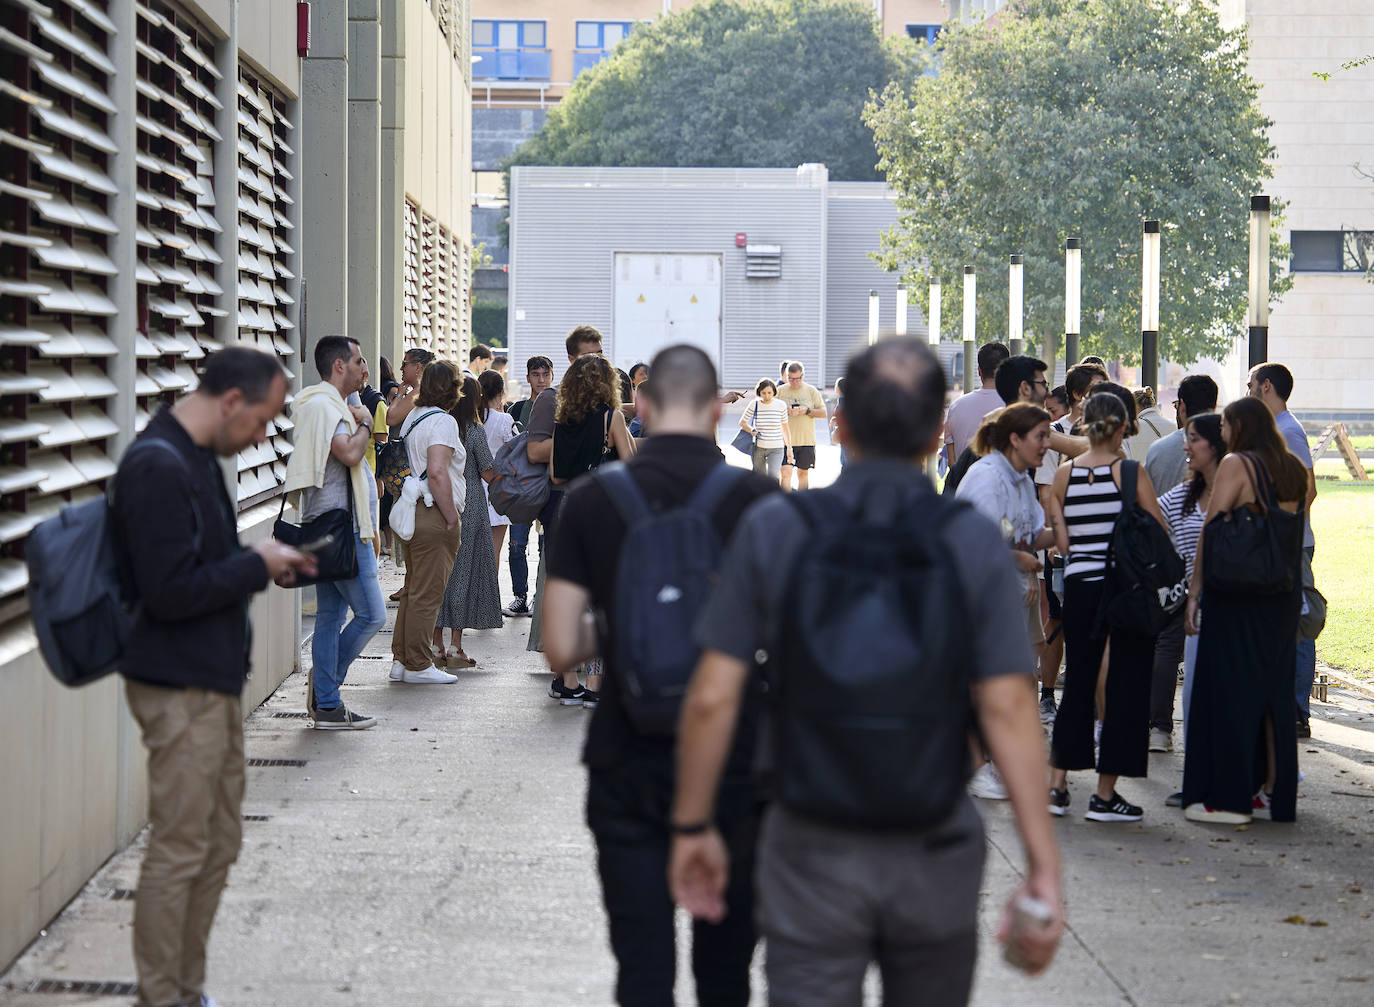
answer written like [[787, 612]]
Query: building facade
[[754, 265], [1323, 130], [160, 196]]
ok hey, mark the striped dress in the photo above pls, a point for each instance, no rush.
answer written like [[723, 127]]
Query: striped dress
[[1091, 506]]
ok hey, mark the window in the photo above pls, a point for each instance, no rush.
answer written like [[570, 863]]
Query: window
[[923, 32], [508, 34], [595, 39], [509, 50], [1332, 251]]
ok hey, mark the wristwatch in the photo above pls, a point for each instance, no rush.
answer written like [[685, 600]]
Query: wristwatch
[[694, 829]]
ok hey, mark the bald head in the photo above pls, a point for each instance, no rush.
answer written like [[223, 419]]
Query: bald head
[[894, 398]]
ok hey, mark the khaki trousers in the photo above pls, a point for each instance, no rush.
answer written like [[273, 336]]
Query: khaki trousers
[[429, 561], [195, 796]]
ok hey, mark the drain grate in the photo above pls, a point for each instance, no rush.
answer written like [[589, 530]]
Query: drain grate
[[257, 818], [98, 987], [297, 763], [121, 894], [283, 715]]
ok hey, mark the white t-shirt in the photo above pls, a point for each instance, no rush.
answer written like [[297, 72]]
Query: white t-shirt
[[1044, 475], [425, 427]]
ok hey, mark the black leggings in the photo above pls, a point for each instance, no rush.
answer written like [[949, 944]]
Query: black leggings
[[1126, 722]]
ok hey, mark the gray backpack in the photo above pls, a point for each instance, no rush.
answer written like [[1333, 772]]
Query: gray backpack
[[81, 613], [519, 489]]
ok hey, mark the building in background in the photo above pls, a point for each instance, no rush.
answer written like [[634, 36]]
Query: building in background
[[177, 179]]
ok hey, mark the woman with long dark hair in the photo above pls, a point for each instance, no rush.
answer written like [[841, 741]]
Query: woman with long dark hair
[[472, 599], [1242, 756]]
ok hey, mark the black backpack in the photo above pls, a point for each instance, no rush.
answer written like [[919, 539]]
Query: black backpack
[[80, 594], [958, 470], [870, 672], [669, 563], [1147, 582]]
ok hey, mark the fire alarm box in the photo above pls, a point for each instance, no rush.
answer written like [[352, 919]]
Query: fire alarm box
[[741, 239], [302, 29]]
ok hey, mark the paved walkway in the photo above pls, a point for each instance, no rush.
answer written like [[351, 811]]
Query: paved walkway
[[441, 859]]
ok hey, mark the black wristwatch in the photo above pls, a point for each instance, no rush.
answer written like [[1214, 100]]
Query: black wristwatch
[[695, 829]]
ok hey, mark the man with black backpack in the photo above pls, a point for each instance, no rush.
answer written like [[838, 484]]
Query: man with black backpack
[[885, 641], [640, 543]]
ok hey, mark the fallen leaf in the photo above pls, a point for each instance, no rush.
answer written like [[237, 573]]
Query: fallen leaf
[[1319, 923], [1295, 918]]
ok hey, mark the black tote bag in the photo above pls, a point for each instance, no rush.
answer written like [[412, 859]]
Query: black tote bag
[[1253, 549], [336, 561]]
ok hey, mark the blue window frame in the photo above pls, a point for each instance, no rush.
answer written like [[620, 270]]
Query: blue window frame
[[923, 32], [595, 39], [510, 50]]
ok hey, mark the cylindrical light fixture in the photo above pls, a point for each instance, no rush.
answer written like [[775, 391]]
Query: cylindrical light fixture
[[901, 309], [970, 330], [872, 317], [1015, 306], [1073, 289], [1149, 307], [1259, 279], [934, 315]]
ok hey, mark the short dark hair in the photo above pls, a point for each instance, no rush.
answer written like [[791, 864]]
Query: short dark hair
[[1094, 359], [538, 362], [419, 355], [1198, 393], [500, 360], [330, 349], [1277, 375], [480, 351], [766, 383], [894, 397], [990, 357], [1061, 395], [582, 334], [250, 371], [638, 367], [1080, 378], [682, 376], [1127, 400], [796, 367], [1014, 370]]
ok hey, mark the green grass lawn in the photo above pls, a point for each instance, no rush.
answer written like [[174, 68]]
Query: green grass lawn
[[1343, 524]]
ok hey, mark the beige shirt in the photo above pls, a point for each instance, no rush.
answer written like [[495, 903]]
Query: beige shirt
[[803, 427]]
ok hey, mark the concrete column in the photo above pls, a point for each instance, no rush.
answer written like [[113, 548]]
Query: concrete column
[[324, 162], [364, 175], [123, 210], [391, 193]]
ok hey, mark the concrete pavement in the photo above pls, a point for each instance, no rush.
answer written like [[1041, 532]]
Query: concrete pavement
[[441, 859]]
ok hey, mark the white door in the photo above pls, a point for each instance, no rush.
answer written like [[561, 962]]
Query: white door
[[662, 299]]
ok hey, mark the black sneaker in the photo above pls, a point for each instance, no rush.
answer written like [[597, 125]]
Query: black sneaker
[[566, 696], [590, 699], [1304, 728], [341, 718], [517, 608], [1174, 800], [1059, 802], [1118, 809]]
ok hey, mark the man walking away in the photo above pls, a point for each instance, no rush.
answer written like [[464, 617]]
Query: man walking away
[[856, 863], [189, 655], [966, 413], [630, 763], [1272, 384], [805, 405], [328, 470]]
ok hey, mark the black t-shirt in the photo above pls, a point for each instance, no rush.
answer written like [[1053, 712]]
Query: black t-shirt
[[586, 551]]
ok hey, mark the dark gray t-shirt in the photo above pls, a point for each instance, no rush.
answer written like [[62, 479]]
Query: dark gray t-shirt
[[541, 416], [753, 582]]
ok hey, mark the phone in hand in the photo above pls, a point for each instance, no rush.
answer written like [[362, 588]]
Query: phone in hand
[[317, 546], [1027, 913]]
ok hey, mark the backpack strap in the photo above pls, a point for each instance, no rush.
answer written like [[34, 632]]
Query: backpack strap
[[713, 489], [169, 448], [1130, 477], [625, 494]]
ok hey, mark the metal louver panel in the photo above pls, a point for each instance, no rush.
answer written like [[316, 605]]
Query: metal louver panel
[[410, 271]]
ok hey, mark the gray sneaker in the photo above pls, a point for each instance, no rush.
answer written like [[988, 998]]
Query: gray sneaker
[[341, 718]]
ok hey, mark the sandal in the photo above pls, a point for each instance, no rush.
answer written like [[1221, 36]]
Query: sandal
[[398, 595], [455, 655]]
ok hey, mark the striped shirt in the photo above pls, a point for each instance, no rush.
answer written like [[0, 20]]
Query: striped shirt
[[767, 420], [1185, 528], [1091, 506]]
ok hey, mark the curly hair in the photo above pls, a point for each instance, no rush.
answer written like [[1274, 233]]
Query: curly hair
[[591, 383]]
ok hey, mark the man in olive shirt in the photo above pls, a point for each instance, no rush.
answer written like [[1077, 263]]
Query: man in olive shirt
[[804, 407]]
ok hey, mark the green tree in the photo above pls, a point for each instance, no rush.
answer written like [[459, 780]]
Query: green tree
[[764, 83], [1081, 118]]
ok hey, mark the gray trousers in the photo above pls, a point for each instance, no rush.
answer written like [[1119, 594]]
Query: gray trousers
[[832, 899], [1164, 676]]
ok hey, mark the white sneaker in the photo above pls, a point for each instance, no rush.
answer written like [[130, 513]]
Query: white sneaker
[[987, 784], [1161, 741], [430, 676], [398, 671]]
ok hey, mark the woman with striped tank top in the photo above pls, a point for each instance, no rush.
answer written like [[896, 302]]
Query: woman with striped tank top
[[1088, 489]]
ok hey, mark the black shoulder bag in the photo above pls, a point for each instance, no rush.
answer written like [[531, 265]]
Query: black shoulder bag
[[1256, 548], [337, 560]]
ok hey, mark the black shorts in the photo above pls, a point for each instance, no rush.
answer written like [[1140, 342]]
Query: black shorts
[[804, 457]]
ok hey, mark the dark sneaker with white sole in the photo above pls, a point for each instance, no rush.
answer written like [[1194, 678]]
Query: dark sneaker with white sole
[[341, 718], [590, 699], [1118, 809], [1059, 802], [517, 608], [566, 696]]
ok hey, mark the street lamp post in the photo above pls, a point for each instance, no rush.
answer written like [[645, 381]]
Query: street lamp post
[[1149, 307], [1015, 306], [970, 307], [933, 334], [1073, 289], [1259, 279], [901, 309], [872, 317]]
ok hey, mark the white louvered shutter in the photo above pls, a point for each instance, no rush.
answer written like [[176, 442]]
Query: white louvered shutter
[[427, 281], [410, 274], [463, 294]]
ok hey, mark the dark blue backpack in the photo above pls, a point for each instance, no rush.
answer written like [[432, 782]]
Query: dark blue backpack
[[669, 563], [870, 669], [82, 613]]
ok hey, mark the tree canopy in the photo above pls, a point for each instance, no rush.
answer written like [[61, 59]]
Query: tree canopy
[[1082, 118], [766, 83]]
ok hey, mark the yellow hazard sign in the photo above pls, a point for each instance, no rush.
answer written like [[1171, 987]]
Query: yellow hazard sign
[[641, 298], [694, 298]]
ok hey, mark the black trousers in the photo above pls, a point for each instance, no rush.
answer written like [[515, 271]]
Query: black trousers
[[1126, 721], [627, 811], [1164, 677]]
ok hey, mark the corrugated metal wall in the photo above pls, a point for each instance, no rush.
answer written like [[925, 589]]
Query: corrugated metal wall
[[859, 213], [568, 223]]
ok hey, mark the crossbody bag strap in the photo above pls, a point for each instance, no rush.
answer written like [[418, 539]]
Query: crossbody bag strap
[[1129, 484]]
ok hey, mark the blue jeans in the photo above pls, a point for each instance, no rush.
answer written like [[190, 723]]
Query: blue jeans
[[1307, 664], [519, 565], [336, 646]]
